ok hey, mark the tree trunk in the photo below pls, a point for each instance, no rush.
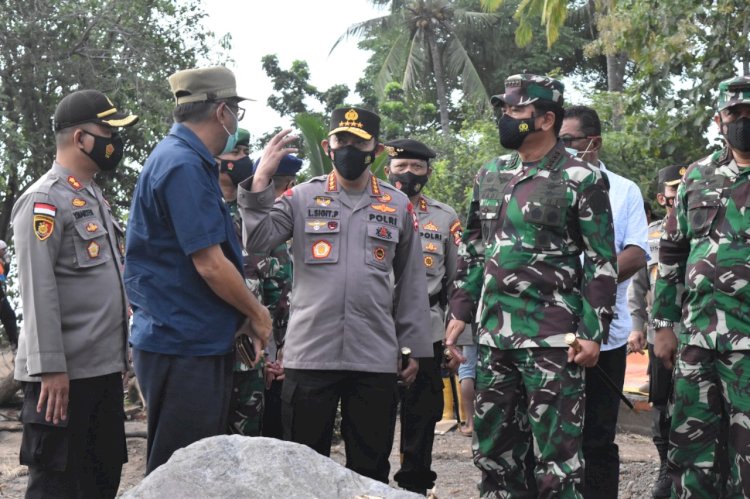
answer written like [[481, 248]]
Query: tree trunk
[[437, 66]]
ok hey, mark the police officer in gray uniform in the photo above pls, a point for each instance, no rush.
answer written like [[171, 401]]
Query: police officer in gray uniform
[[73, 344], [351, 235], [440, 233]]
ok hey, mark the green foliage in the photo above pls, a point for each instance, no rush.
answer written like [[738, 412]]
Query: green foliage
[[125, 49]]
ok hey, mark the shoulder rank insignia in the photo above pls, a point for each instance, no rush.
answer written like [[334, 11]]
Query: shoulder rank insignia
[[78, 202], [322, 200], [422, 204], [374, 185], [383, 208], [43, 226], [321, 249], [430, 226], [74, 183], [93, 249], [91, 227]]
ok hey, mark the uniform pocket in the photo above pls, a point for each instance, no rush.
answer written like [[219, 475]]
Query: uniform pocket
[[546, 221], [90, 242], [322, 239], [381, 245], [44, 444], [701, 212], [433, 254]]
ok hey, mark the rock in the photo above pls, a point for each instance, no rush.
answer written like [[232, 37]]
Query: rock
[[255, 467]]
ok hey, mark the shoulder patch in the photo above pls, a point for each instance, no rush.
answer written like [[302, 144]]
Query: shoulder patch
[[45, 209], [44, 225]]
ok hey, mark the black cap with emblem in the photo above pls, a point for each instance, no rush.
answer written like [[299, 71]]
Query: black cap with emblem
[[671, 175], [408, 149], [355, 120], [89, 106]]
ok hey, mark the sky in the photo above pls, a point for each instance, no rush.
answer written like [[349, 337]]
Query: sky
[[291, 29]]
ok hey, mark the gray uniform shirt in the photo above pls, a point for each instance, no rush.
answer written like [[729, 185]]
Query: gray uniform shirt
[[440, 232], [345, 314], [69, 251]]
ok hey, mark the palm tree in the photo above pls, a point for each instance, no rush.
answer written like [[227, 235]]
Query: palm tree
[[428, 43]]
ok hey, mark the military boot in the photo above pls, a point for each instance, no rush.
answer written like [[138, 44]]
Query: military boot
[[663, 484]]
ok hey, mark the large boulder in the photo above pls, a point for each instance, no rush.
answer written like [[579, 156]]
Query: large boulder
[[234, 466]]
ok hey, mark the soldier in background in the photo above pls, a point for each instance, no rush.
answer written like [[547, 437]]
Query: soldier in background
[[533, 213], [640, 298], [352, 234], [409, 170], [704, 270]]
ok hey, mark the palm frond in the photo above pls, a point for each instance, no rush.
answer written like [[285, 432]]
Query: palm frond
[[491, 5], [458, 64], [476, 20], [393, 64], [313, 130], [357, 30], [417, 61]]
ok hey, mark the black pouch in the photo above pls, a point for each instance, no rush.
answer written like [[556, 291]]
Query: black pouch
[[245, 349], [44, 444]]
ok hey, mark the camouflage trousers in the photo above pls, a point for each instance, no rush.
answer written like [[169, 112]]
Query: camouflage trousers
[[528, 423], [246, 404], [709, 441]]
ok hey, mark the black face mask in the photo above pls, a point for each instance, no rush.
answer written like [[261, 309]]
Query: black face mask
[[514, 131], [237, 169], [107, 151], [351, 162], [408, 183], [738, 134]]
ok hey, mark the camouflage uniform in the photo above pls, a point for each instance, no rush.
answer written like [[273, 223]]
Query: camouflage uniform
[[520, 259], [706, 250]]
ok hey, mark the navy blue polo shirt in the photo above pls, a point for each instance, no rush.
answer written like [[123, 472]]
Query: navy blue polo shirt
[[177, 210]]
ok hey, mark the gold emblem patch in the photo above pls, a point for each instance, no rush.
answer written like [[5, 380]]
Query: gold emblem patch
[[431, 247], [78, 202], [322, 200], [430, 226], [385, 198], [316, 224], [379, 253], [682, 171], [428, 262], [383, 208], [93, 249], [523, 127], [91, 227], [321, 249], [43, 226], [74, 182], [351, 115]]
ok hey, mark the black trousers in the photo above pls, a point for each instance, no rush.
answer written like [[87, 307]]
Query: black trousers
[[272, 426], [600, 453], [659, 391], [81, 457], [187, 400], [368, 412], [421, 408]]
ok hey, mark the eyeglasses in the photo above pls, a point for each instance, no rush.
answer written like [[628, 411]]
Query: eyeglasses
[[567, 139], [240, 113]]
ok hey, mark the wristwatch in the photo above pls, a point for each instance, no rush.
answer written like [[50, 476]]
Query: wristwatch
[[660, 323]]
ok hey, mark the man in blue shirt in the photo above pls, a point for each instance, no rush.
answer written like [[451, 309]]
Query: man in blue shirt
[[183, 270], [581, 130]]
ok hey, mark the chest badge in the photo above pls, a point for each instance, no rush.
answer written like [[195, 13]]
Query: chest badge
[[379, 253], [383, 233], [428, 262], [431, 247], [92, 227], [78, 202], [385, 198], [430, 226], [321, 249], [322, 200], [316, 224], [383, 208], [93, 249]]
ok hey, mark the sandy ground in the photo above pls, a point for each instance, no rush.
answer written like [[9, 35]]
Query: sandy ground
[[457, 475]]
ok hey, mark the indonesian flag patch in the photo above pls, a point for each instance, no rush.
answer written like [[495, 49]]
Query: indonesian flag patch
[[45, 209]]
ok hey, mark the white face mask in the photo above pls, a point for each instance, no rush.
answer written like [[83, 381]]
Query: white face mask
[[581, 154]]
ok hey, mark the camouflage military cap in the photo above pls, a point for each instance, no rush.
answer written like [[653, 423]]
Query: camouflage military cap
[[734, 91], [524, 89]]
